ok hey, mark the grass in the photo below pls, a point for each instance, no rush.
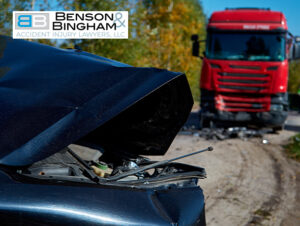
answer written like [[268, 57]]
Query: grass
[[293, 148], [262, 213]]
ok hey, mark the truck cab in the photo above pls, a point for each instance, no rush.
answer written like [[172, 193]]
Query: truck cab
[[245, 68]]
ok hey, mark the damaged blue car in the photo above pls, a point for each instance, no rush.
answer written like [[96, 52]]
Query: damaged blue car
[[75, 128]]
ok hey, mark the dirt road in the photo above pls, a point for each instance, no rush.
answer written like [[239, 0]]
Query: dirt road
[[248, 183]]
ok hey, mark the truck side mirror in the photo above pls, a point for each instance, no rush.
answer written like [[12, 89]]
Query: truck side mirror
[[296, 50], [196, 45]]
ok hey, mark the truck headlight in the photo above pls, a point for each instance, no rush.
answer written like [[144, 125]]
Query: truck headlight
[[276, 107]]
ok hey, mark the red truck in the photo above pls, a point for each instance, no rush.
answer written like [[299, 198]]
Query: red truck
[[245, 68]]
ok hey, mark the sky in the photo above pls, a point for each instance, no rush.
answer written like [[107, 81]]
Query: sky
[[290, 8]]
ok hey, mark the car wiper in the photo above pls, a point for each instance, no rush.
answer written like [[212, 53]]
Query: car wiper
[[86, 168], [153, 165]]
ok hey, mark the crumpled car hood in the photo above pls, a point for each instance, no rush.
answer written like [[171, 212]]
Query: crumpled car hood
[[52, 97]]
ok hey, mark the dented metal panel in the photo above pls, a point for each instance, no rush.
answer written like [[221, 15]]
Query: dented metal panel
[[52, 97]]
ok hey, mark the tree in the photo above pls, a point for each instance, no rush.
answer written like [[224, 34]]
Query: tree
[[123, 50], [6, 10], [294, 77], [159, 34], [167, 27]]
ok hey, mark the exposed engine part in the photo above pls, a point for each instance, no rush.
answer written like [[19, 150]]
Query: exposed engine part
[[131, 165], [155, 165], [139, 171], [48, 170], [101, 172], [128, 166], [96, 156]]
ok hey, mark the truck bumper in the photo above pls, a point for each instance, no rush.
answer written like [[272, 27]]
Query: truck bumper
[[274, 118], [266, 119]]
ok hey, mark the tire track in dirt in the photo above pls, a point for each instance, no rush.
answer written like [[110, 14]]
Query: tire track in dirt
[[248, 183], [231, 190], [232, 199], [270, 204], [284, 203]]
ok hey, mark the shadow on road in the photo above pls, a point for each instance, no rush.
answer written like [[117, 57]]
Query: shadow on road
[[293, 122], [292, 128], [193, 121]]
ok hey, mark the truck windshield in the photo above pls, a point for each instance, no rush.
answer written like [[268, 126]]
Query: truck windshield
[[246, 46]]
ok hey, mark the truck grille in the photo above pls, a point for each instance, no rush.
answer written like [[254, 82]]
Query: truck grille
[[242, 82], [245, 67], [242, 102]]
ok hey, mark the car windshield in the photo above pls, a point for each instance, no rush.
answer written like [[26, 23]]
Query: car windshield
[[254, 46]]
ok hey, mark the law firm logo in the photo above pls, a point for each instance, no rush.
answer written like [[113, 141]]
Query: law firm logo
[[35, 21], [70, 24]]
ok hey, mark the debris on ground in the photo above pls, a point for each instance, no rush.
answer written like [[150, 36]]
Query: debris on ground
[[225, 133]]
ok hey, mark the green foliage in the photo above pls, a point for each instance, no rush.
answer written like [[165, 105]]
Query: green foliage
[[8, 6], [294, 77], [293, 148], [169, 26], [124, 50], [159, 34]]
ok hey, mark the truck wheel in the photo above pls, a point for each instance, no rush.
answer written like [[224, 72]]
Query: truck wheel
[[278, 128], [204, 122]]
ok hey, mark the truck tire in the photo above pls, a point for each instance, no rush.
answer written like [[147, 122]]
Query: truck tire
[[278, 128], [204, 122]]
